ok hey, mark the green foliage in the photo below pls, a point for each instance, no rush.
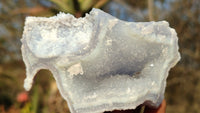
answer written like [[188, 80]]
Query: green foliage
[[65, 5], [79, 7], [86, 4], [27, 108]]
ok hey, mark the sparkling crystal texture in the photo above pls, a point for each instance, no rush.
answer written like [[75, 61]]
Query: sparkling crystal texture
[[101, 63]]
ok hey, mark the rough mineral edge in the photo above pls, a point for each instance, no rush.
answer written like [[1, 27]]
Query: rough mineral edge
[[39, 52]]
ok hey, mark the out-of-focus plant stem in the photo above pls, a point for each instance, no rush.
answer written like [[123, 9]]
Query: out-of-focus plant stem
[[35, 99], [65, 5], [100, 3], [86, 4], [142, 109], [151, 10], [32, 11]]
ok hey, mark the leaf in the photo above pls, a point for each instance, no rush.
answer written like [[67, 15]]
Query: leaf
[[86, 4], [100, 3], [65, 5]]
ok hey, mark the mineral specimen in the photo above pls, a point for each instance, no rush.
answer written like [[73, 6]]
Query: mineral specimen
[[101, 63]]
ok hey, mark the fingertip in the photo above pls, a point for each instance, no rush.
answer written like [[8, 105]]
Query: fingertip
[[160, 109]]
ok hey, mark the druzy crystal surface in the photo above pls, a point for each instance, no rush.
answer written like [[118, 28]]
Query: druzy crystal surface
[[101, 63]]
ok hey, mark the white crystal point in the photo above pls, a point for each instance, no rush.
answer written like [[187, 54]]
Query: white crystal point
[[101, 63]]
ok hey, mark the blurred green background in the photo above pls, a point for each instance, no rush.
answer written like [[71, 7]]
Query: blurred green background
[[183, 84]]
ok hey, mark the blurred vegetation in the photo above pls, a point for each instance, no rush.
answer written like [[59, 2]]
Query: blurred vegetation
[[183, 87]]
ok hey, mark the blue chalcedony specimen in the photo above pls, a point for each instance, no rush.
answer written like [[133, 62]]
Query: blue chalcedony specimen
[[101, 63]]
